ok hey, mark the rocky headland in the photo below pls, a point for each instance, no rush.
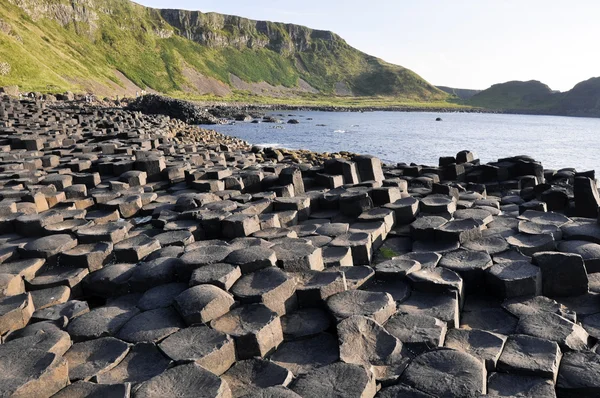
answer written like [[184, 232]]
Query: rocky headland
[[142, 256]]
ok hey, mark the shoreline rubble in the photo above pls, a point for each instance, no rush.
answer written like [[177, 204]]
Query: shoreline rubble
[[141, 256]]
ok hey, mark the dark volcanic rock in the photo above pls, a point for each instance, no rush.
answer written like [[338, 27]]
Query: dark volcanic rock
[[153, 104]]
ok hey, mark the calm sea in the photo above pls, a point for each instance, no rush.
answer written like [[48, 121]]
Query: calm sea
[[557, 142]]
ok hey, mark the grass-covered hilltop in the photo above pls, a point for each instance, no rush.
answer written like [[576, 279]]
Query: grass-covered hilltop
[[536, 97], [113, 47]]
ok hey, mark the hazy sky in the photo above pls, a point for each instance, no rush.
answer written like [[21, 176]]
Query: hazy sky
[[458, 43]]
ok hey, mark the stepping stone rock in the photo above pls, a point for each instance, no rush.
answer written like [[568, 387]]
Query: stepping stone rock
[[161, 296], [531, 244], [304, 355], [418, 332], [549, 218], [255, 328], [402, 391], [504, 385], [513, 279], [471, 267], [360, 244], [405, 209], [305, 323], [252, 258], [93, 256], [521, 306], [186, 380], [315, 287], [461, 231], [212, 350], [221, 275], [272, 392], [31, 372], [90, 358], [424, 227], [198, 258], [481, 344], [113, 232], [239, 225], [490, 245], [530, 356], [339, 380], [532, 228], [333, 229], [153, 273], [110, 281], [579, 375], [270, 286], [49, 297], [438, 204], [100, 322], [83, 389], [135, 249], [337, 256], [379, 306], [495, 320], [70, 309], [175, 238], [44, 336], [437, 280], [297, 257], [428, 260], [59, 276], [545, 325], [365, 342], [151, 326], [356, 276], [48, 247], [446, 373], [253, 375], [203, 303], [143, 362], [443, 306], [27, 269], [483, 217], [582, 230], [563, 274], [590, 252], [396, 268], [399, 290]]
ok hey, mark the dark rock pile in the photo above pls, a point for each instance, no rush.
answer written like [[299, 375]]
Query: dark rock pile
[[186, 111], [143, 257]]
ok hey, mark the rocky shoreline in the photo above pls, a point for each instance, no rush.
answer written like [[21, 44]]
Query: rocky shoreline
[[142, 256]]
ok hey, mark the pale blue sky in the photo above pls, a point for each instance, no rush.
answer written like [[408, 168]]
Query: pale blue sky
[[458, 43]]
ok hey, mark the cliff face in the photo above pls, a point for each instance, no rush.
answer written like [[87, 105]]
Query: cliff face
[[80, 44], [217, 30]]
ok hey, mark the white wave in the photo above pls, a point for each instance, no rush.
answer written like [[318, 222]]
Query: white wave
[[340, 131], [268, 145]]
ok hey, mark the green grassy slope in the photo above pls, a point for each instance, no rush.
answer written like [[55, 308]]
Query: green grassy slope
[[77, 45], [536, 97], [515, 95]]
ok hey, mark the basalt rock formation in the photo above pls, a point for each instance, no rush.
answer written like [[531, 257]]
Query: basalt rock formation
[[141, 256]]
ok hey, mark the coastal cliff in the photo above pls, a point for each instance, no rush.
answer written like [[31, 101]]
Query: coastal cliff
[[117, 46]]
